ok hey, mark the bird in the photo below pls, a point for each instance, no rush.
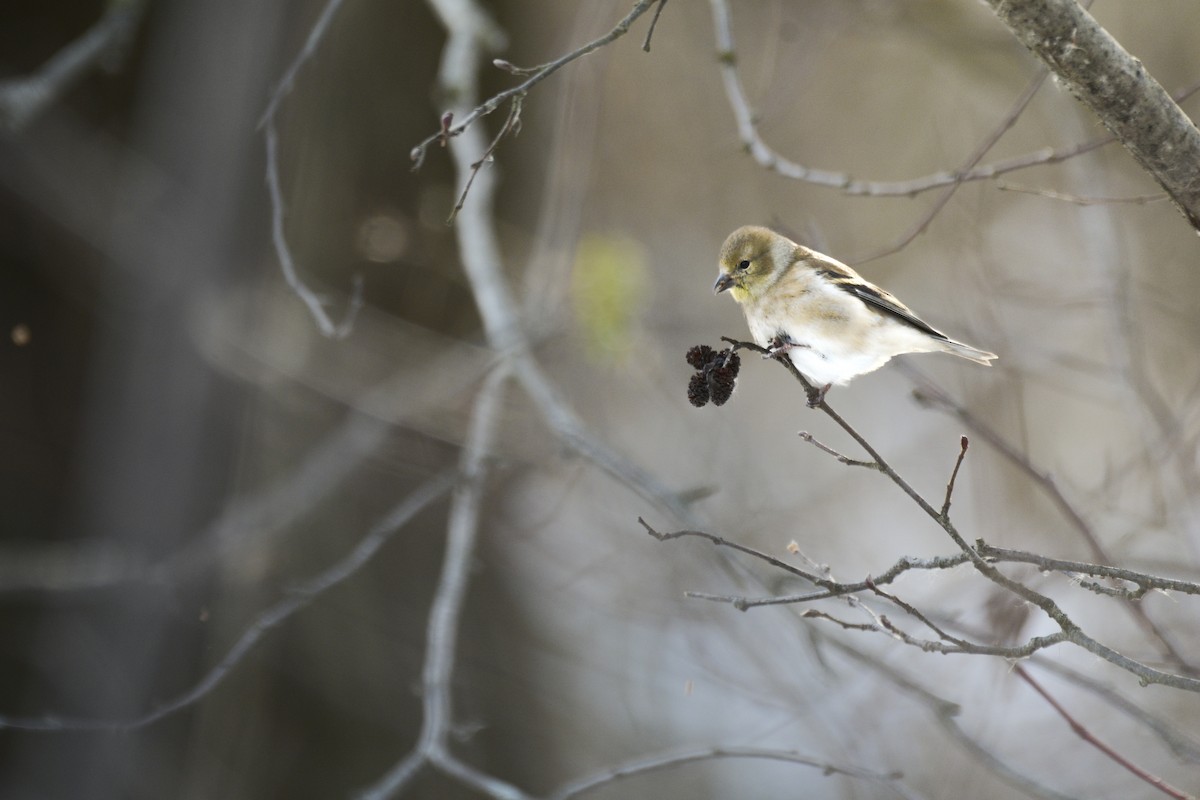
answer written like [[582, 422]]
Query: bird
[[833, 323]]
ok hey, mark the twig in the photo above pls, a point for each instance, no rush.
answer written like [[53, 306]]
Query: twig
[[946, 715], [1082, 732], [315, 304], [1141, 199], [1117, 88], [1142, 579], [833, 588], [951, 646], [850, 462], [653, 24], [482, 262], [962, 453], [1183, 746], [441, 640], [741, 548], [918, 615], [1006, 124], [1069, 630], [931, 395], [315, 36], [668, 761], [768, 158], [23, 99], [511, 124], [297, 598], [537, 75]]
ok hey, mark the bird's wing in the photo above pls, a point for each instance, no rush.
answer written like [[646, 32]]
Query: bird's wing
[[850, 281]]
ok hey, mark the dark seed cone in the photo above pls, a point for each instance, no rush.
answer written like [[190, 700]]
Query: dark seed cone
[[720, 386], [699, 355], [716, 375]]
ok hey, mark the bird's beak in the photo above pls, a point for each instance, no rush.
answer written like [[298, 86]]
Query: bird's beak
[[724, 281]]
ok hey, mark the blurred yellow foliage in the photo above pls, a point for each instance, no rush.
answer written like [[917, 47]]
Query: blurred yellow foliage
[[608, 292]]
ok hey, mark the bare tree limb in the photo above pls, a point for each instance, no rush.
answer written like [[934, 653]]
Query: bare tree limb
[[460, 13], [768, 158], [1183, 746], [946, 715], [1004, 126], [23, 99], [1082, 731], [314, 303], [930, 394], [297, 599], [1069, 631], [482, 258], [1142, 579], [670, 761], [441, 642], [1080, 200], [1117, 88]]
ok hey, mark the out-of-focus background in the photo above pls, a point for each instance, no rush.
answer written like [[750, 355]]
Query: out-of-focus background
[[184, 448]]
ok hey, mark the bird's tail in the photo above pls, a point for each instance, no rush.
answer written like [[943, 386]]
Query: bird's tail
[[968, 352]]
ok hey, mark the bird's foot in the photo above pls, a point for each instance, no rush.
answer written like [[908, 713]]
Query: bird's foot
[[816, 396], [779, 347]]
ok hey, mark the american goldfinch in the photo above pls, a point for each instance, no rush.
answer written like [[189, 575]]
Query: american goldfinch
[[831, 322]]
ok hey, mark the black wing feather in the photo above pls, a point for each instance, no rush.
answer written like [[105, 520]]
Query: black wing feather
[[880, 299]]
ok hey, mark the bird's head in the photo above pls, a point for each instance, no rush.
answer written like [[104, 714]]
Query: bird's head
[[751, 259]]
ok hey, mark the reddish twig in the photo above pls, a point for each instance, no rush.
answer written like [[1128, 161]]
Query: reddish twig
[[1082, 732]]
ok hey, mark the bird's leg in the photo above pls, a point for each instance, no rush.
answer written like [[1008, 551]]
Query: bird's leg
[[781, 346], [778, 348], [816, 396]]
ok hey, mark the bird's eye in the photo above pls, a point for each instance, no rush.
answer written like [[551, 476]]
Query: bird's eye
[[743, 265]]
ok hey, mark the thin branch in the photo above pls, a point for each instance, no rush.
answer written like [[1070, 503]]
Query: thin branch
[[1117, 88], [653, 24], [946, 715], [656, 763], [1183, 746], [315, 304], [298, 598], [482, 258], [441, 641], [1082, 732], [962, 453], [315, 36], [480, 781], [741, 548], [1005, 125], [511, 124], [951, 646], [768, 158], [830, 588], [245, 522], [765, 156], [930, 394], [1070, 631], [536, 76], [850, 462], [917, 615], [23, 99], [1142, 579], [483, 261], [1140, 200]]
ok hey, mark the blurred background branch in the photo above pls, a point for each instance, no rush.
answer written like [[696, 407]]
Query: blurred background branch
[[194, 457]]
